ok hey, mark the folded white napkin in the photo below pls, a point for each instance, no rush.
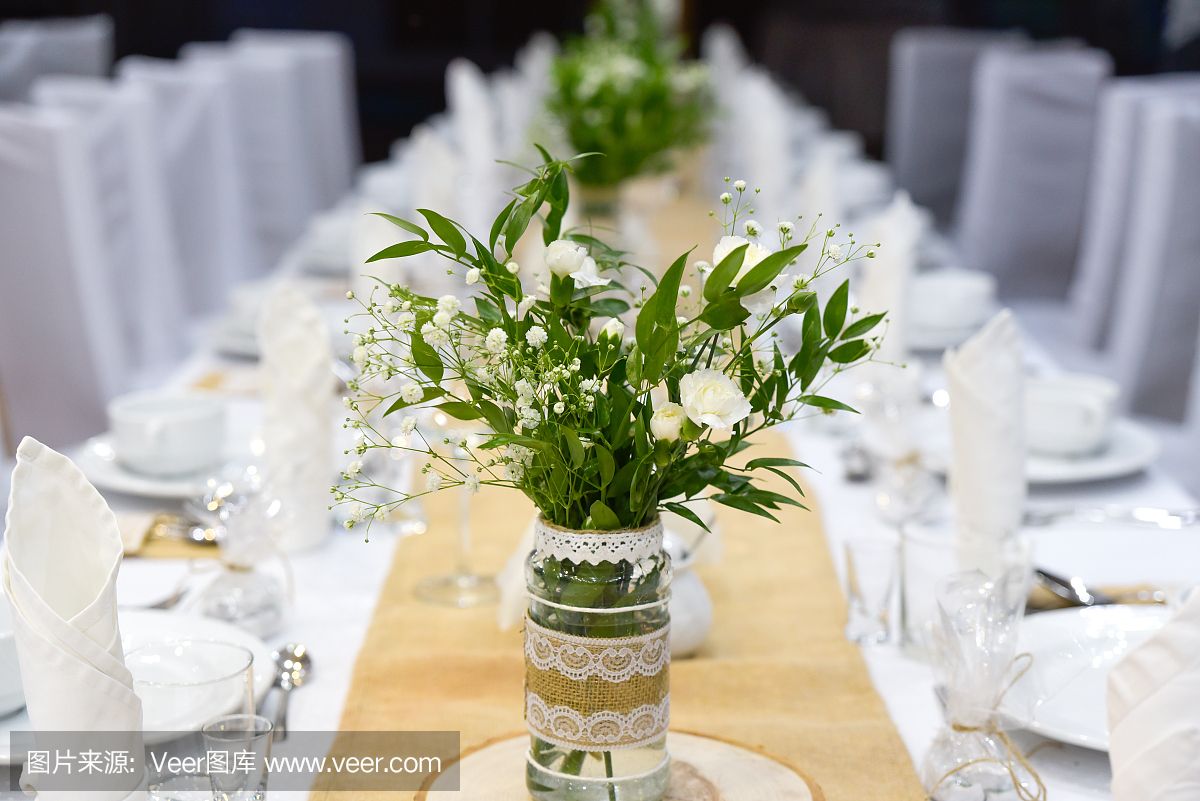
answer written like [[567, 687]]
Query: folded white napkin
[[61, 556], [1154, 714], [298, 415], [985, 379], [883, 282]]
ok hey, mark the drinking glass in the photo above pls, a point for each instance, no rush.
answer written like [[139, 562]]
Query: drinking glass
[[871, 569], [237, 748], [183, 683], [463, 587]]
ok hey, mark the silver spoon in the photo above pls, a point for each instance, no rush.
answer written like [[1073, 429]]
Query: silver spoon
[[295, 665]]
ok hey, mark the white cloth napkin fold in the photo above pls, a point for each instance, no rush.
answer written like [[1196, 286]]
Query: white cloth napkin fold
[[1154, 714], [985, 379], [297, 392], [61, 556], [884, 281]]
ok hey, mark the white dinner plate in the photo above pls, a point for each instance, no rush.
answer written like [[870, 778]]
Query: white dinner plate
[[98, 461], [1062, 695], [1132, 448], [147, 626]]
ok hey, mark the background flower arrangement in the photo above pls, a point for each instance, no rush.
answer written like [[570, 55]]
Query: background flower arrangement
[[623, 91], [602, 403]]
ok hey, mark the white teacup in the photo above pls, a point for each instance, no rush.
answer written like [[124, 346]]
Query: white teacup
[[12, 696], [167, 435], [1069, 415]]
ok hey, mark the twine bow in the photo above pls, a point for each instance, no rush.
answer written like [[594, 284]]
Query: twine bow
[[1015, 760]]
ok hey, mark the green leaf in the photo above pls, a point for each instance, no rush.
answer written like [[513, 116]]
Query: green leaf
[[743, 504], [574, 446], [835, 310], [725, 314], [402, 249], [461, 410], [821, 402], [773, 461], [494, 416], [788, 478], [446, 231], [426, 359], [411, 227], [603, 517], [428, 394], [606, 464], [762, 274], [666, 297], [686, 513], [608, 307], [518, 221], [724, 273], [860, 327], [850, 351], [498, 225]]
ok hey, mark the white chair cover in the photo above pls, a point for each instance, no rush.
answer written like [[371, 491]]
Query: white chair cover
[[67, 46], [1158, 313], [929, 107], [274, 142], [130, 193], [1028, 155], [326, 62], [1107, 236], [475, 132], [209, 203], [61, 351]]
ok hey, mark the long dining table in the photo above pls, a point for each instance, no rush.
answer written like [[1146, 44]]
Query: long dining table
[[338, 585]]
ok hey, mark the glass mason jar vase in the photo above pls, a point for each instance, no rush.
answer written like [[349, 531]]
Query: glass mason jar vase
[[597, 659]]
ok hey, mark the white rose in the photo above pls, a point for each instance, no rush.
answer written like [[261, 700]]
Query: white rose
[[588, 274], [667, 421], [564, 257], [754, 253], [614, 329], [711, 398], [472, 276]]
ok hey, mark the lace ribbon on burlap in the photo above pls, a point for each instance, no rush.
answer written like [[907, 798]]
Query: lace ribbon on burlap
[[594, 693], [594, 547]]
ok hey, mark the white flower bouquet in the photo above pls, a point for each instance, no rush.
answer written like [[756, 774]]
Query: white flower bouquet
[[601, 431], [624, 91]]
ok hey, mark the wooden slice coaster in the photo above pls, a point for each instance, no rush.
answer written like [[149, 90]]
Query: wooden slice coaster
[[702, 769]]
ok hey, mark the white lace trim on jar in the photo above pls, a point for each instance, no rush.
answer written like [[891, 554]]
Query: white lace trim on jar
[[581, 658], [598, 546], [604, 730]]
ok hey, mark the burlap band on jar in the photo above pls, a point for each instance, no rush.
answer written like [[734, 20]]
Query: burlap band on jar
[[595, 693]]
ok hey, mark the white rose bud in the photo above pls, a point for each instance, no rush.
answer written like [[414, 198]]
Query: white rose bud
[[564, 257], [472, 276], [513, 268], [710, 398], [667, 421], [614, 329]]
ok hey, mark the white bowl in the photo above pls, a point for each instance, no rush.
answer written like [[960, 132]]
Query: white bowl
[[12, 696], [167, 435]]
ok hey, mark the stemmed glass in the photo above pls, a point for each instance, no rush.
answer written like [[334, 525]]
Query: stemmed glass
[[463, 587]]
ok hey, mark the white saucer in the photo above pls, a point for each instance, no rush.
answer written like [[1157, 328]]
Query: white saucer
[[1132, 448], [1062, 695], [98, 461], [146, 626]]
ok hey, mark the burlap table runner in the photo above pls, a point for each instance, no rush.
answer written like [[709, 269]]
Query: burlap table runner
[[776, 673]]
